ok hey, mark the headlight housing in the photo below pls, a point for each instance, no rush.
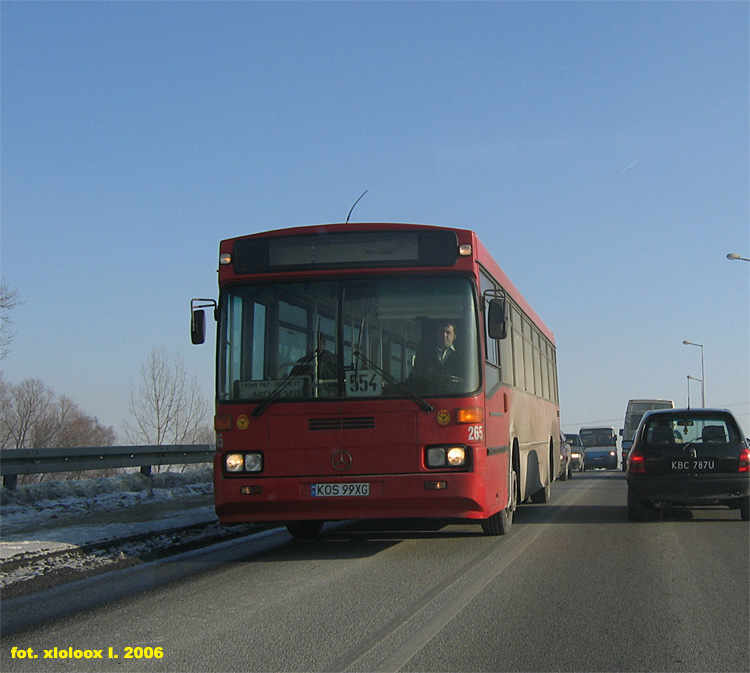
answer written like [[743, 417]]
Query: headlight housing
[[250, 462], [450, 457]]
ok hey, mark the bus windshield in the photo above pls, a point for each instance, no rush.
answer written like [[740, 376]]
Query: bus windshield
[[335, 339], [598, 437]]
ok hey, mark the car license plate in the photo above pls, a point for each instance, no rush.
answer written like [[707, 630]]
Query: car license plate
[[694, 465], [339, 490]]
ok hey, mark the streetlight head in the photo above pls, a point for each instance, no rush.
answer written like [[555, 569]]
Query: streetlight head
[[687, 343], [733, 255]]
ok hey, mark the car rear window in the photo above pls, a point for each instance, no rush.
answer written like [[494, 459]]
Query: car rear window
[[663, 431]]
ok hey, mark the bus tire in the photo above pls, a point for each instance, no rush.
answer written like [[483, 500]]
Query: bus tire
[[304, 530], [500, 522], [543, 494]]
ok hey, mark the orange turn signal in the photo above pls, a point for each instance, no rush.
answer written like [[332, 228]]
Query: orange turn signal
[[222, 423], [471, 415]]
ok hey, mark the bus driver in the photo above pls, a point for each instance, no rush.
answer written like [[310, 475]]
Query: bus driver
[[441, 359]]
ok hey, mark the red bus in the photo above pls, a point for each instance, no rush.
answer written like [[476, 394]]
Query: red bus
[[377, 371]]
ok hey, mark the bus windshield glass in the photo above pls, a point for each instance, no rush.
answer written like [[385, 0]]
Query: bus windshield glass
[[598, 437], [333, 339]]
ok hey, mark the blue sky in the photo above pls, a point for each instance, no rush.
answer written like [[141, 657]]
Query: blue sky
[[599, 149]]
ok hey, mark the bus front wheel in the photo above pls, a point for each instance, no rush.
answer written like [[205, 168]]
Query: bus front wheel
[[304, 530], [500, 522]]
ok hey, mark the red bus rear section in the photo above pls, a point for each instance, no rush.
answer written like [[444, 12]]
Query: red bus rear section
[[377, 371]]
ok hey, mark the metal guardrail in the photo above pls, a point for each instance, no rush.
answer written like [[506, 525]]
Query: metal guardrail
[[38, 461]]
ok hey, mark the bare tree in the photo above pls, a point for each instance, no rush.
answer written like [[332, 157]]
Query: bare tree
[[6, 433], [9, 299], [32, 417], [166, 407], [76, 428], [25, 415]]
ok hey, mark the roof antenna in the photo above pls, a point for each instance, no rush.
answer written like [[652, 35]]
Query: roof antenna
[[352, 208]]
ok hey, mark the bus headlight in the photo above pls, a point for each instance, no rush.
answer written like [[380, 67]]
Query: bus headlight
[[234, 462], [456, 456], [253, 462], [437, 457], [238, 463]]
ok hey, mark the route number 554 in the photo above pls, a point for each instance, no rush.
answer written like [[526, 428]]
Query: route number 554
[[364, 382]]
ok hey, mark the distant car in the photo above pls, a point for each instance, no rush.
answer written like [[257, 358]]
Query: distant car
[[686, 458], [566, 469], [577, 452]]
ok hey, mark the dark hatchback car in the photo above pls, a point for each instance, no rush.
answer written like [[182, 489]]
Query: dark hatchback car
[[693, 457]]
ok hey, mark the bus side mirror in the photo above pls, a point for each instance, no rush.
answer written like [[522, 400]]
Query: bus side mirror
[[198, 319], [198, 326], [497, 320]]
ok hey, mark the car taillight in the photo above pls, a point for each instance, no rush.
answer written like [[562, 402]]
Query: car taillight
[[745, 460], [636, 464]]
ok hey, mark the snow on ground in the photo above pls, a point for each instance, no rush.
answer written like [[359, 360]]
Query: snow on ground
[[55, 514], [43, 526]]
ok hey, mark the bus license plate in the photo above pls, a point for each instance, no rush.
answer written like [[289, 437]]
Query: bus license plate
[[339, 490]]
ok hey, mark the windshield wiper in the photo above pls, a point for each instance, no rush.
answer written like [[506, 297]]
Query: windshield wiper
[[420, 401], [276, 392]]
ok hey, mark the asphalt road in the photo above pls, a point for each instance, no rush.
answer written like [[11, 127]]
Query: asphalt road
[[574, 587]]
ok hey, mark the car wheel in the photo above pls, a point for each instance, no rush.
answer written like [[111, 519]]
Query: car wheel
[[304, 530], [635, 506], [745, 508]]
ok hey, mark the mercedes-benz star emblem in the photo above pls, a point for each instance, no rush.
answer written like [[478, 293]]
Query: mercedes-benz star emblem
[[342, 460]]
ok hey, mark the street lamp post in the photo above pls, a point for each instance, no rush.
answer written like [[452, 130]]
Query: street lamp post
[[734, 255], [689, 379], [703, 373]]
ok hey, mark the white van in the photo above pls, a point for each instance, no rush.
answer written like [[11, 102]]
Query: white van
[[633, 415]]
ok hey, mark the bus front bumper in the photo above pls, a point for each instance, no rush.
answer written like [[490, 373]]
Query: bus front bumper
[[433, 495]]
